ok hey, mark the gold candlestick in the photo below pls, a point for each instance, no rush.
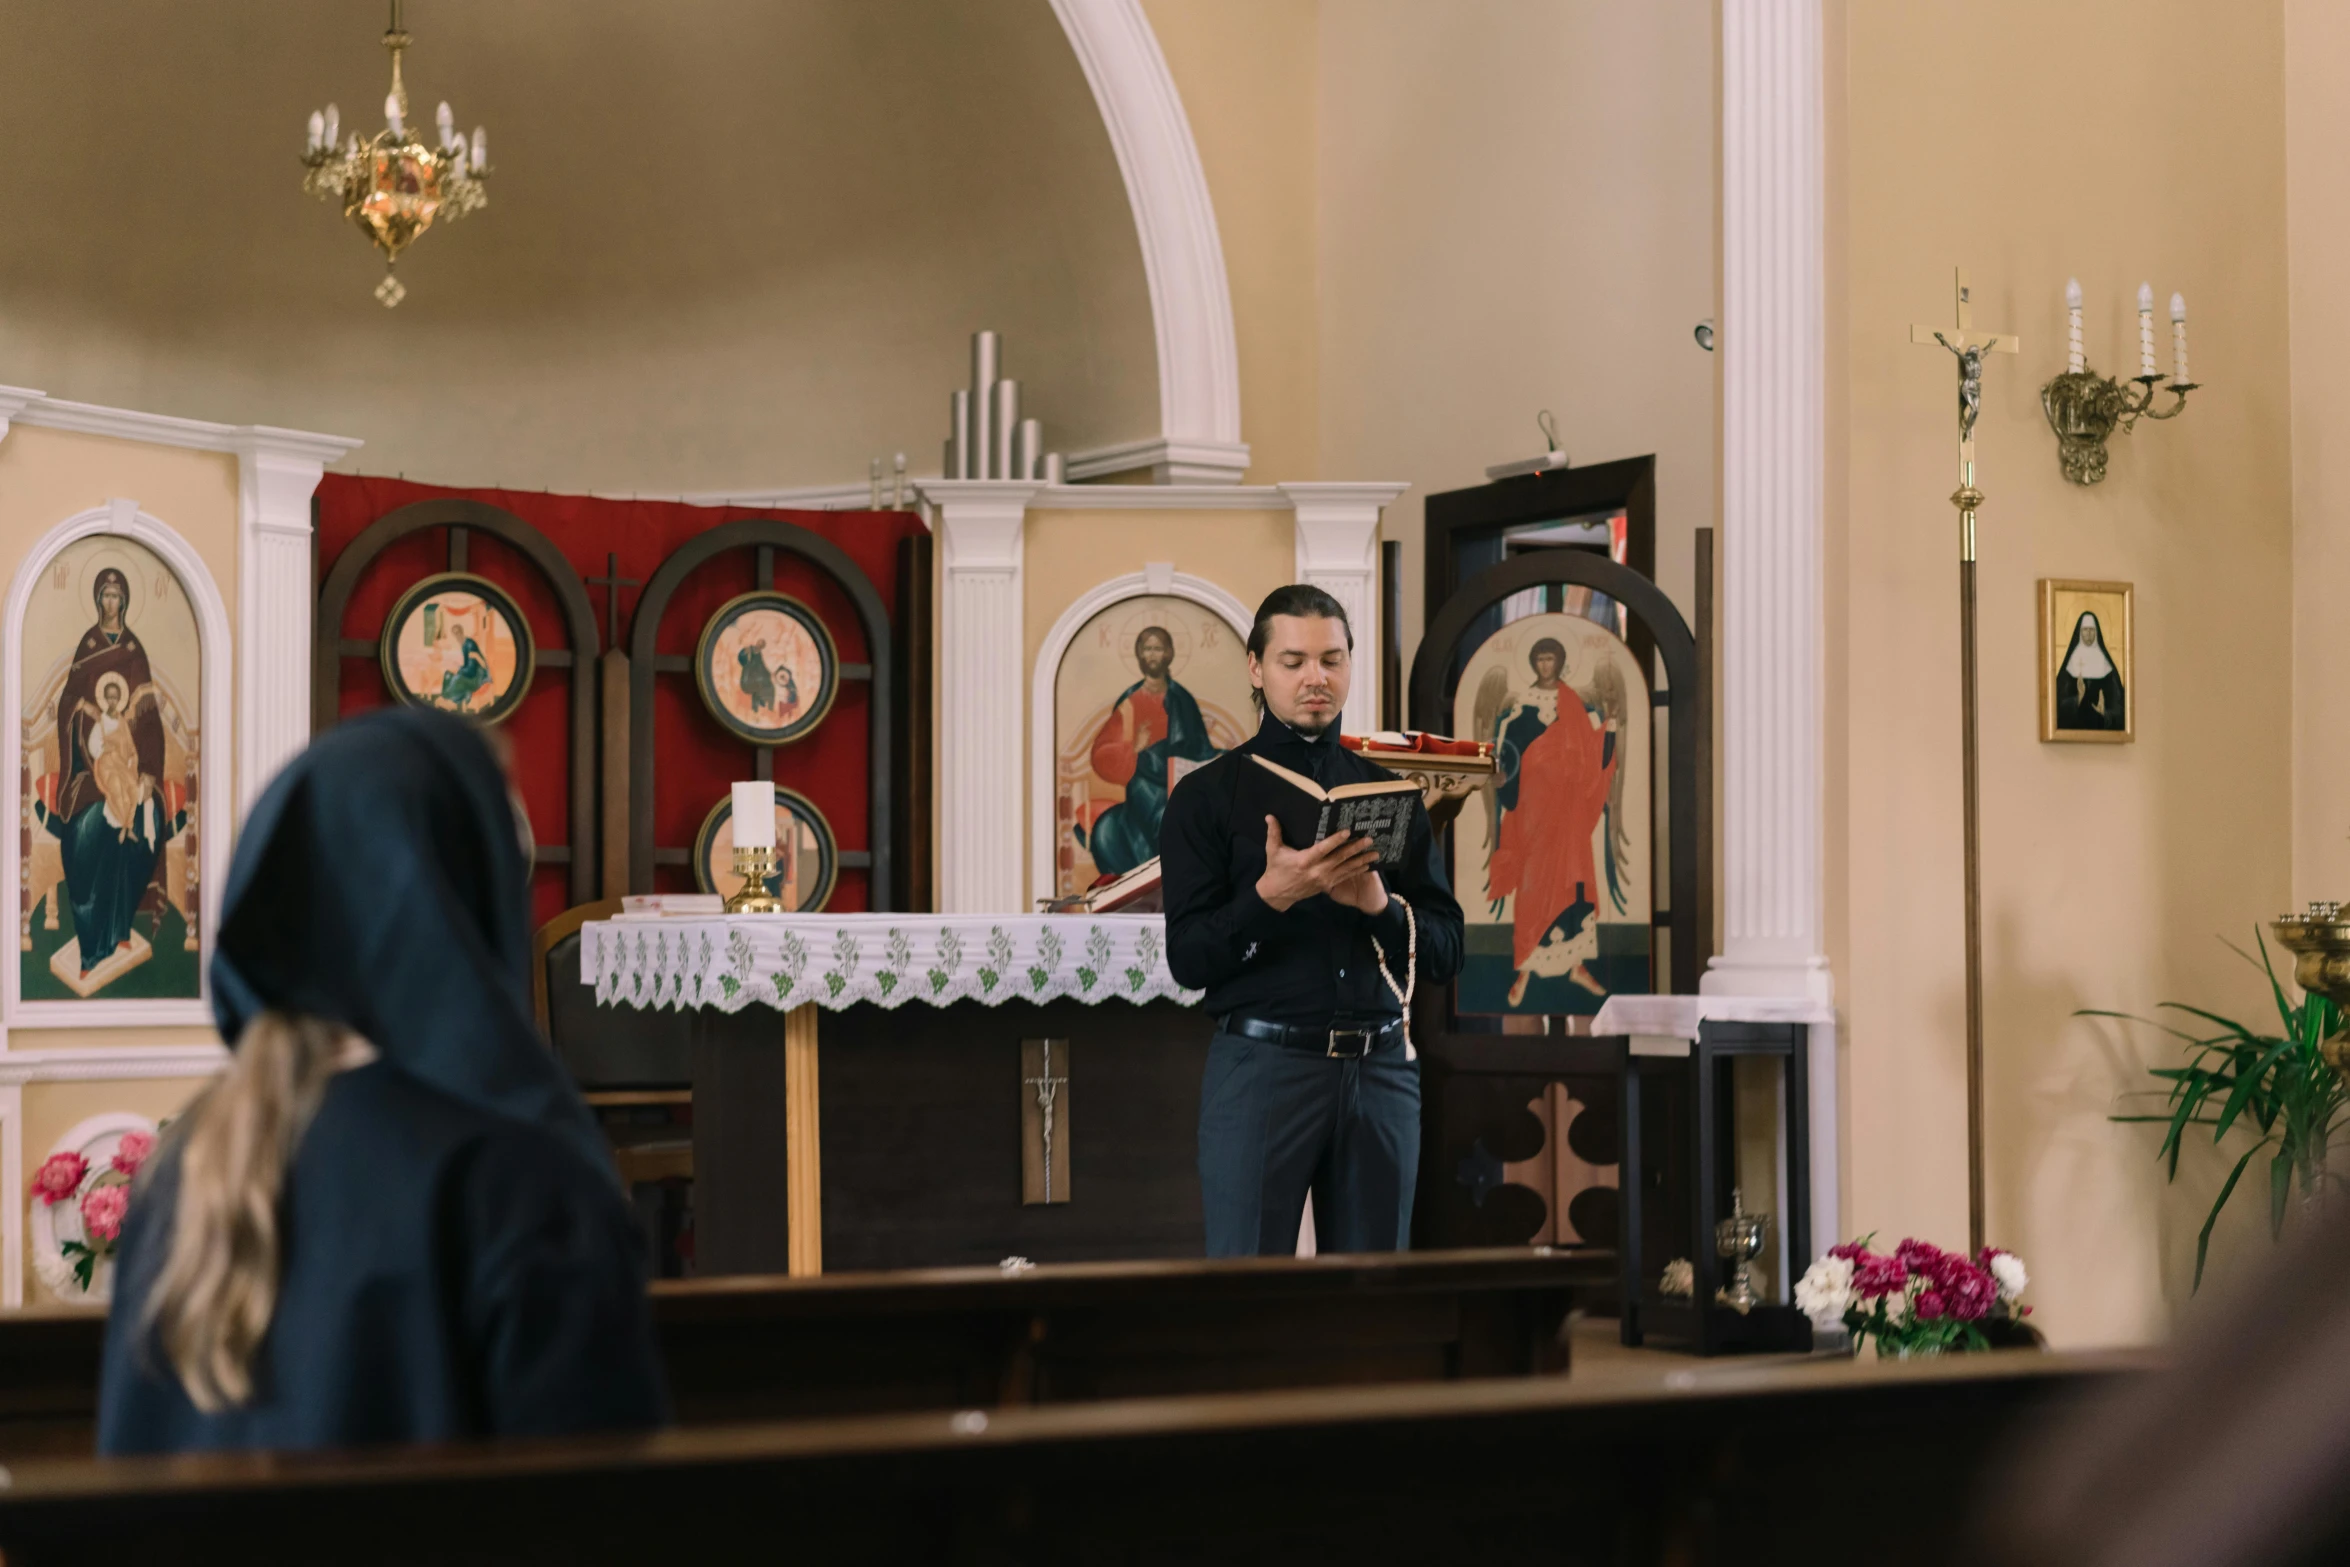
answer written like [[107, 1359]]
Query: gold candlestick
[[754, 866]]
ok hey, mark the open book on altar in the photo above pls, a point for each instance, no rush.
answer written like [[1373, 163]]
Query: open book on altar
[[1135, 892]]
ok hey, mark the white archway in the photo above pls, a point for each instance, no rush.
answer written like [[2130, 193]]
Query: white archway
[[1158, 580], [1182, 254], [123, 519]]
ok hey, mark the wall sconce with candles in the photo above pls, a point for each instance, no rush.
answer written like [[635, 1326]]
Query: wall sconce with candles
[[2084, 408]]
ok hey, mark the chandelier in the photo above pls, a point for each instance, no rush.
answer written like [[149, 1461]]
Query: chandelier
[[393, 185]]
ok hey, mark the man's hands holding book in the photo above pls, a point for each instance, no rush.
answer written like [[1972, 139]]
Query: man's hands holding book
[[1340, 865]]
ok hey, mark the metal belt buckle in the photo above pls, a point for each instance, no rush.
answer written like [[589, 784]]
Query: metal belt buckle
[[1364, 1039]]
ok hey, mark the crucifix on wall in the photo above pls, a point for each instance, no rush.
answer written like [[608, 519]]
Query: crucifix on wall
[[1044, 1121], [1969, 346]]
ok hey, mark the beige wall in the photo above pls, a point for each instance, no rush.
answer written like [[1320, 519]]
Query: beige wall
[[2110, 872], [1248, 75], [1517, 202], [731, 244], [2317, 128], [1069, 553]]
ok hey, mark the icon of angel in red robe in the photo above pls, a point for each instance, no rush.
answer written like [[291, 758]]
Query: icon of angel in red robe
[[1560, 779]]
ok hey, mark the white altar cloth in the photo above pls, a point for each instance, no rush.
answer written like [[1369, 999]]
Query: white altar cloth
[[886, 960]]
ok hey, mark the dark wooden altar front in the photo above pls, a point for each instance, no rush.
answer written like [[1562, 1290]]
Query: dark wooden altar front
[[920, 1135]]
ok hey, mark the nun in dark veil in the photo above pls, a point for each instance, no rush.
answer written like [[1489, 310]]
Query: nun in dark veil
[[2088, 687], [390, 1219]]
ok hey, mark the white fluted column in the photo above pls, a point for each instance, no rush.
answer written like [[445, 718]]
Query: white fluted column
[[1338, 552], [277, 473], [980, 527], [1773, 454]]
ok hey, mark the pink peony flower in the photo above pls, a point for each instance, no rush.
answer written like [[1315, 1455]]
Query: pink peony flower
[[102, 1211], [59, 1177], [1969, 1291], [1931, 1305], [1919, 1257], [1874, 1277], [133, 1151]]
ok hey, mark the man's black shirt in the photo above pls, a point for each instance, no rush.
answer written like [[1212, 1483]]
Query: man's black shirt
[[1312, 963]]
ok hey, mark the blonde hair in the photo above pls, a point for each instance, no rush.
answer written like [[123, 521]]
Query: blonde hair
[[212, 1302]]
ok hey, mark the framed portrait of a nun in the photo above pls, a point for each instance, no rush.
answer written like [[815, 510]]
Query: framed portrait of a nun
[[2088, 678]]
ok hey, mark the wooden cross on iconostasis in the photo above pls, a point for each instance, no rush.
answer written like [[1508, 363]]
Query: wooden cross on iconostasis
[[612, 672], [1969, 346], [612, 582]]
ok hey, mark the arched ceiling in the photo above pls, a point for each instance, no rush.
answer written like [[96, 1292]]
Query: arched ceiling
[[730, 244]]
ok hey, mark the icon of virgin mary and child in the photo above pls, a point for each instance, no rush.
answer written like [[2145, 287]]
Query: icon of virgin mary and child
[[1559, 777], [109, 819]]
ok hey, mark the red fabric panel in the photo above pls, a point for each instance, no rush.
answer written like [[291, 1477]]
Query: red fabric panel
[[698, 759]]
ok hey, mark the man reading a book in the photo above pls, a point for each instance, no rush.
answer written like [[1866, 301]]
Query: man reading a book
[[1305, 936]]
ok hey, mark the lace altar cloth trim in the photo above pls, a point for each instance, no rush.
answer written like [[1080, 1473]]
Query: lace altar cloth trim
[[885, 960]]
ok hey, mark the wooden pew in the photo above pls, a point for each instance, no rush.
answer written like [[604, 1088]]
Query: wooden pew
[[1824, 1462], [781, 1348]]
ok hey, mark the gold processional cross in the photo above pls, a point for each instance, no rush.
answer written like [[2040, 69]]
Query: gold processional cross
[[1969, 346]]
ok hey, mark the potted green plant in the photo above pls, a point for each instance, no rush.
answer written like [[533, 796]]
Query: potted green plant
[[2279, 1086]]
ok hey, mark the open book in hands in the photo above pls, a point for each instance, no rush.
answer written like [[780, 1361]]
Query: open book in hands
[[1380, 809]]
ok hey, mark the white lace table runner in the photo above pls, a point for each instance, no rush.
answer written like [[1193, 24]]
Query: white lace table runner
[[886, 960]]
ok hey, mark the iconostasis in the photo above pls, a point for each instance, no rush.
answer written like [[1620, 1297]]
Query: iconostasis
[[771, 656]]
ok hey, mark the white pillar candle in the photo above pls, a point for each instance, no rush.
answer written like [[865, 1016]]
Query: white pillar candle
[[2146, 330], [2075, 361], [2178, 339], [392, 115], [754, 815]]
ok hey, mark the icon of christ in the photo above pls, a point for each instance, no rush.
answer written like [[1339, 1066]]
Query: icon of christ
[[1152, 736]]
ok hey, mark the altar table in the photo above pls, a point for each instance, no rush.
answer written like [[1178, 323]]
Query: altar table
[[927, 1012]]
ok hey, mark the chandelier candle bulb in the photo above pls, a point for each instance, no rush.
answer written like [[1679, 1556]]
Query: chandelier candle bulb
[[2075, 360], [754, 815], [334, 127], [317, 131], [447, 123], [392, 114], [2178, 339], [2146, 331], [481, 150]]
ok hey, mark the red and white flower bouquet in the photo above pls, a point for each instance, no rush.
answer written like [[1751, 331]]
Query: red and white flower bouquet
[[85, 1200], [1921, 1300]]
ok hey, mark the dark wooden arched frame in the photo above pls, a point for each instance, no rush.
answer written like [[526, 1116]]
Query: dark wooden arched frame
[[765, 535], [1436, 672], [461, 517]]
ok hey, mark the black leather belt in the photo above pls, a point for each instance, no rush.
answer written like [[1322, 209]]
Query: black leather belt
[[1347, 1044]]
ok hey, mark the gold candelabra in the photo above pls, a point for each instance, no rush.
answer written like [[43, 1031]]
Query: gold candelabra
[[2319, 940], [754, 866], [392, 185], [2085, 408]]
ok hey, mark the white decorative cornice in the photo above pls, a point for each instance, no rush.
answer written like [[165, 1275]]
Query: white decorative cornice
[[1182, 254], [13, 402], [1160, 497], [110, 1063], [203, 435], [1167, 460]]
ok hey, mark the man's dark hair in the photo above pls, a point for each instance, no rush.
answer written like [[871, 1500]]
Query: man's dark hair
[[1148, 632], [1551, 645], [1301, 599]]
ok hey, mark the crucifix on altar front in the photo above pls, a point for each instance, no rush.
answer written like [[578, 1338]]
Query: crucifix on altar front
[[1969, 346]]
